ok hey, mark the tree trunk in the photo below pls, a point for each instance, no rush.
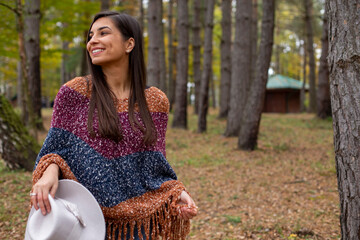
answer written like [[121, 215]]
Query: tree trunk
[[252, 114], [105, 5], [254, 36], [207, 69], [310, 49], [153, 66], [171, 82], [213, 89], [225, 51], [65, 75], [196, 47], [344, 65], [180, 114], [302, 92], [84, 64], [323, 95], [163, 85], [17, 148], [240, 66], [19, 86], [141, 19], [32, 48]]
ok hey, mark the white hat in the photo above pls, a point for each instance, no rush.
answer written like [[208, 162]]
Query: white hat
[[75, 215]]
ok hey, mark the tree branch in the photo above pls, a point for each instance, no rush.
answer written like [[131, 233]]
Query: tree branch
[[10, 8]]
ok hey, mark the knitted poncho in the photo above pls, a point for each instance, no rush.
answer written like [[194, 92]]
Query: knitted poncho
[[133, 183]]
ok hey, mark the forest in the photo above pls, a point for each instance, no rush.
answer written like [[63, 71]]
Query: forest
[[263, 124]]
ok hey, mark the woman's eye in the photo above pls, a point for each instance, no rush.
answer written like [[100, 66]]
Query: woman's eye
[[103, 33]]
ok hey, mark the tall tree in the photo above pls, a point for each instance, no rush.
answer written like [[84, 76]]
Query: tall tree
[[141, 18], [163, 84], [344, 65], [240, 66], [252, 114], [171, 82], [180, 114], [32, 48], [153, 66], [207, 69], [310, 49], [302, 91], [225, 81], [323, 94], [254, 36], [196, 49]]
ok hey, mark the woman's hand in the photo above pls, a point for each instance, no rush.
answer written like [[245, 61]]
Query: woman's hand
[[189, 210], [48, 183]]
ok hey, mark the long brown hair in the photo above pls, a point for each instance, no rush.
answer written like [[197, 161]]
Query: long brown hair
[[102, 98]]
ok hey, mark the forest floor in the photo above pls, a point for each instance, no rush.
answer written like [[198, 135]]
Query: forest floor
[[285, 189]]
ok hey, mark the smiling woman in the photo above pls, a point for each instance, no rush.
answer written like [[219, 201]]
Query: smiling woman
[[108, 133]]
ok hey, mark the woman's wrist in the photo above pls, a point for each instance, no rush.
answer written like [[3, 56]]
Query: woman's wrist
[[53, 169]]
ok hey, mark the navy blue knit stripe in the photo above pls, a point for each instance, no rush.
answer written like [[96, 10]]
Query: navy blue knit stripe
[[111, 181]]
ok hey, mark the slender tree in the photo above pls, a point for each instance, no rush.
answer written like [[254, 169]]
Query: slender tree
[[252, 114], [302, 91], [163, 84], [323, 94], [240, 66], [344, 65], [180, 114], [254, 36], [310, 49], [207, 69], [153, 66], [171, 82], [196, 49], [225, 52], [141, 18], [32, 48]]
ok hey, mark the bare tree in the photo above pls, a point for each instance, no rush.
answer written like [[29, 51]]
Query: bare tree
[[240, 66], [252, 114], [153, 66], [180, 114], [323, 94], [310, 49], [196, 47], [344, 65], [207, 70], [225, 52]]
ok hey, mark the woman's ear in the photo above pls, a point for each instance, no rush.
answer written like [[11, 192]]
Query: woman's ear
[[130, 44]]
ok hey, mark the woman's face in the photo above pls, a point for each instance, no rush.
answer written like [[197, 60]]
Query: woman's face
[[106, 44]]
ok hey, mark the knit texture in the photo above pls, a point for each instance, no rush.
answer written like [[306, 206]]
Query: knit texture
[[133, 183]]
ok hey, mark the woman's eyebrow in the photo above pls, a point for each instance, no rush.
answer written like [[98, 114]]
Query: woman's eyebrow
[[101, 28]]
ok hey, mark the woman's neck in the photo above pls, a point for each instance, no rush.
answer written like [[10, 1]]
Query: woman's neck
[[117, 77]]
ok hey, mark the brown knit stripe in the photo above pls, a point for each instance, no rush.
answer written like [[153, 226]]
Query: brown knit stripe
[[156, 99]]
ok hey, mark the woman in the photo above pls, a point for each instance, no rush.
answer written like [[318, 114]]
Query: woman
[[108, 133]]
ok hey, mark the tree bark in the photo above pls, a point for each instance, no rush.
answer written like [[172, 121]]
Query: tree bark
[[323, 95], [302, 91], [19, 86], [241, 66], [310, 49], [196, 47], [225, 51], [32, 48], [65, 75], [163, 85], [141, 19], [17, 148], [252, 114], [254, 36], [344, 66], [180, 114], [153, 66], [207, 69], [171, 82]]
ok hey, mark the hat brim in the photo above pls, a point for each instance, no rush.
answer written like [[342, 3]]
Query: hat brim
[[88, 207]]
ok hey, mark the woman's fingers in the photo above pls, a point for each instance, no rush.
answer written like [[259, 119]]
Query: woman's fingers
[[34, 201], [54, 189]]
